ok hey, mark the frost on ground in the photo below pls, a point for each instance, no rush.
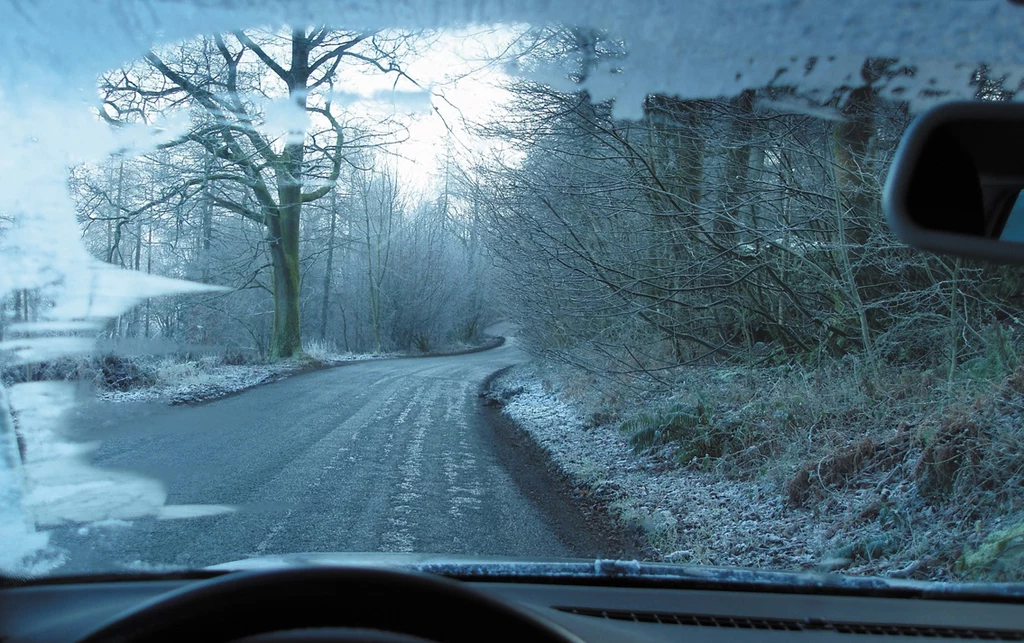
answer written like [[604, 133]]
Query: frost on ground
[[683, 516], [182, 380], [190, 381], [876, 489]]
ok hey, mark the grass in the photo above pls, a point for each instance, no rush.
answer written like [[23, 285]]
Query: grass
[[916, 471], [112, 372], [321, 350], [657, 527]]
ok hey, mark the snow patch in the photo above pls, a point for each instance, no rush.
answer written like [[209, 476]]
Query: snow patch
[[617, 567]]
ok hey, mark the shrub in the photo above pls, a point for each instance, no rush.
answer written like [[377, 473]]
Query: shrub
[[320, 349], [236, 358], [421, 342], [118, 373], [63, 369], [174, 372], [685, 426]]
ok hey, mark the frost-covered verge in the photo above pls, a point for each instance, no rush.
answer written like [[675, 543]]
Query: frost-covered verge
[[176, 381], [193, 381], [175, 378], [189, 379], [680, 515], [878, 490]]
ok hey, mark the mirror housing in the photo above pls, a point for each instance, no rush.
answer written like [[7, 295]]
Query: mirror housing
[[955, 185]]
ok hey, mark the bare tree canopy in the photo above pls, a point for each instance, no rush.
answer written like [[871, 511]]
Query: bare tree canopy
[[226, 81]]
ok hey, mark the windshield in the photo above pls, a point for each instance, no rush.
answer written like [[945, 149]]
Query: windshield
[[586, 282]]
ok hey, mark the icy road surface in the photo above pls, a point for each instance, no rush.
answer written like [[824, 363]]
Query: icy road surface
[[388, 456]]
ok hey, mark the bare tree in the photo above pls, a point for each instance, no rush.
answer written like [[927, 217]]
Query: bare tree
[[227, 80], [728, 229]]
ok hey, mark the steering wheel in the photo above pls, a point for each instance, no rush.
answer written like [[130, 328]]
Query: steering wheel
[[341, 604]]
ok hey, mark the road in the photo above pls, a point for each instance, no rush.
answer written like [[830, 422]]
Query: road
[[384, 456]]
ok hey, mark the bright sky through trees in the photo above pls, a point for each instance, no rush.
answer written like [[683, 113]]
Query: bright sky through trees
[[463, 74]]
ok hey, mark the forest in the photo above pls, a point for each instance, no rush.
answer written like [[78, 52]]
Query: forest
[[740, 228]]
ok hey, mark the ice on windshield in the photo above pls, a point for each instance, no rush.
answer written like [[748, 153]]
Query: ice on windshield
[[169, 187]]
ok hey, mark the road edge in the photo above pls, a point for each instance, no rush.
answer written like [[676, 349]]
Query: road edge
[[517, 442], [314, 367]]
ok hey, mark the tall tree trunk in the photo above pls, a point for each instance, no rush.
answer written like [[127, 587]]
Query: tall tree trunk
[[374, 294], [149, 270], [135, 321], [737, 165], [851, 141], [284, 228], [325, 305], [114, 245], [206, 228], [856, 198], [344, 329], [728, 223], [286, 340], [676, 150]]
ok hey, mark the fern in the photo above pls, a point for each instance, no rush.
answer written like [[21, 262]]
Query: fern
[[663, 426]]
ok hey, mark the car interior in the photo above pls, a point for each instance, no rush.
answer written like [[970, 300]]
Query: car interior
[[360, 603]]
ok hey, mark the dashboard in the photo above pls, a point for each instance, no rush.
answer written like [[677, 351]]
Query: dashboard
[[72, 611]]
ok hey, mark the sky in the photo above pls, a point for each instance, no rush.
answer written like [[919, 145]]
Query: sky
[[453, 79], [459, 71]]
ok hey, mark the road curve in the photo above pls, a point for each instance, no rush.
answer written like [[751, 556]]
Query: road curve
[[385, 456]]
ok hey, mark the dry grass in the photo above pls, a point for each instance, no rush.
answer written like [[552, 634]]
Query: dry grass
[[904, 473], [320, 349]]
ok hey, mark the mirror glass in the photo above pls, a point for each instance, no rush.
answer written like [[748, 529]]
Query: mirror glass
[[956, 185], [1013, 229]]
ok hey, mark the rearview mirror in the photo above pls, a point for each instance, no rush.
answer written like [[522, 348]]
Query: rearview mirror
[[955, 185]]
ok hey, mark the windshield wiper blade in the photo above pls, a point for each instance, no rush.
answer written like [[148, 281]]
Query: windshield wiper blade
[[630, 573], [109, 577], [634, 573], [584, 571]]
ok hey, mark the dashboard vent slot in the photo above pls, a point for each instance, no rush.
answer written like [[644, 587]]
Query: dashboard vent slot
[[796, 625]]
